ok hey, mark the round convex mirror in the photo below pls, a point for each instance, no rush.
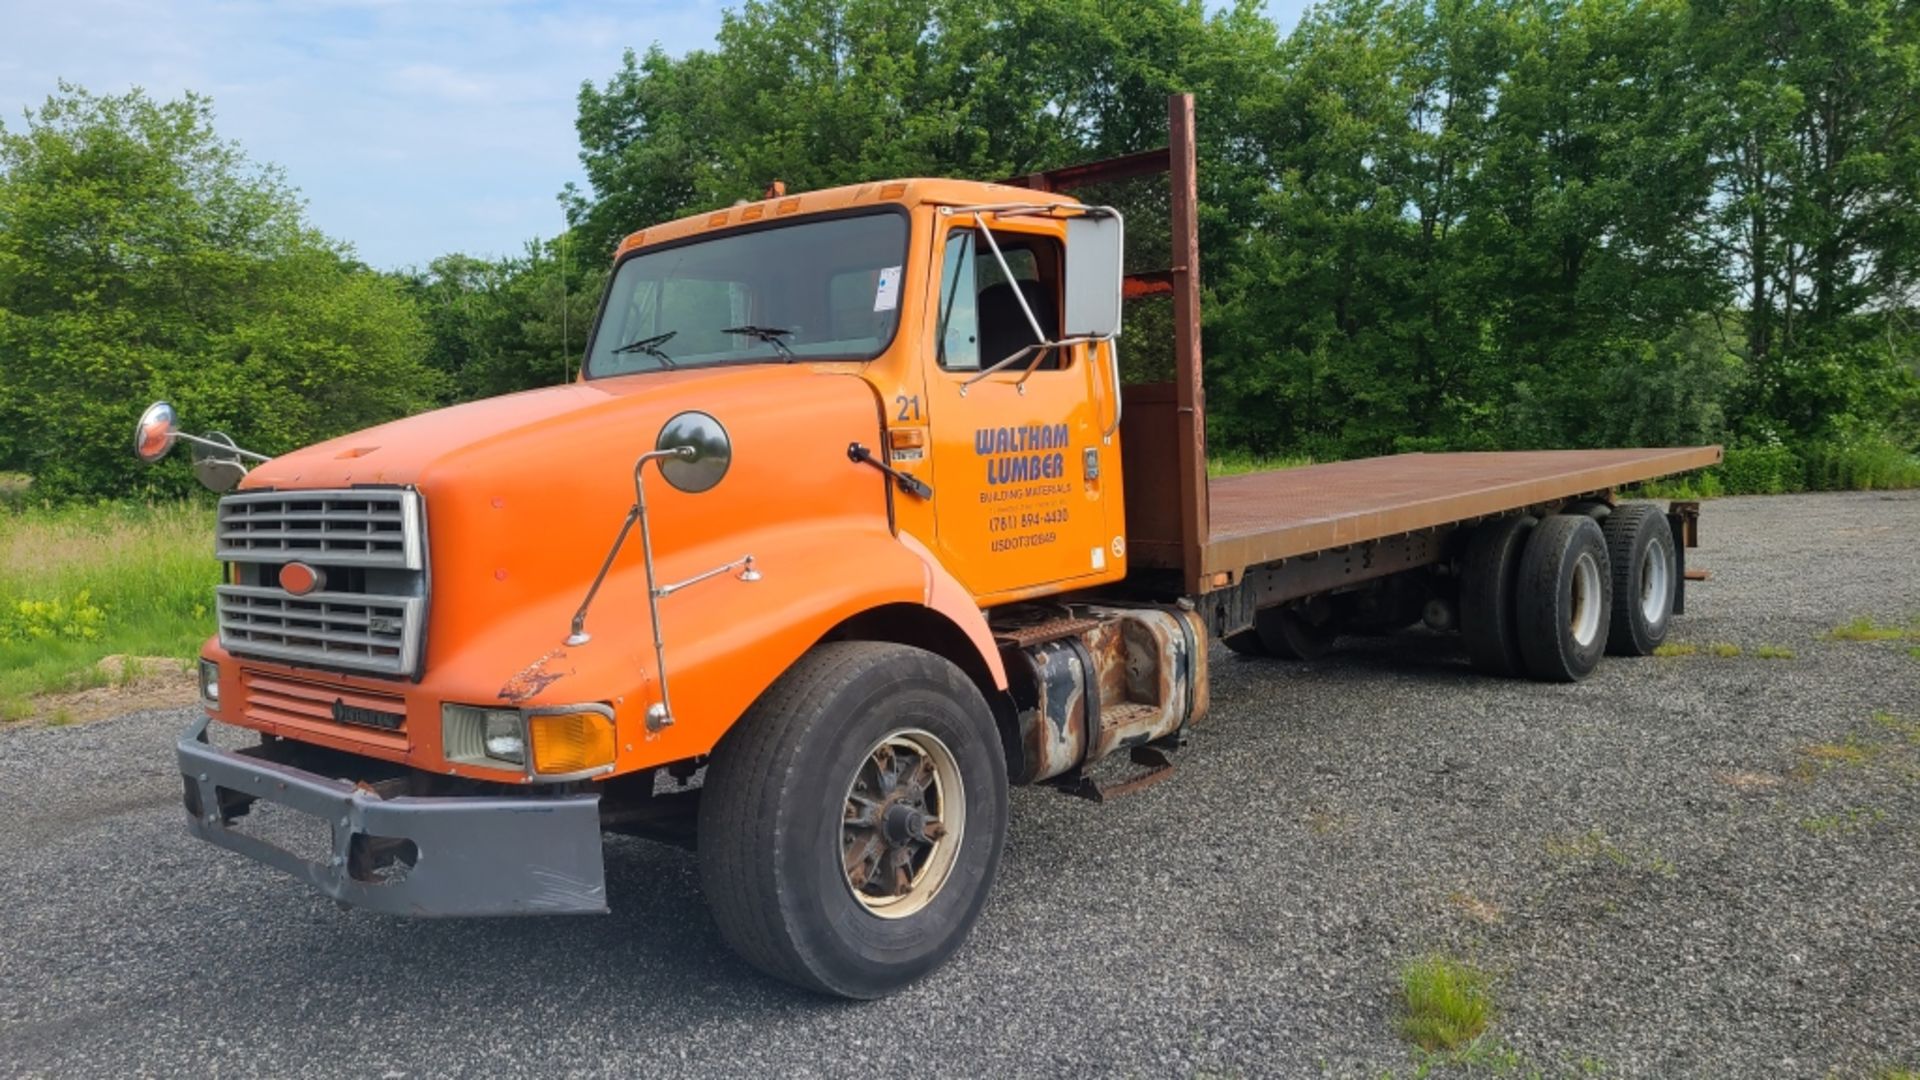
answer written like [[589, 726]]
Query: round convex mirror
[[712, 452], [154, 435]]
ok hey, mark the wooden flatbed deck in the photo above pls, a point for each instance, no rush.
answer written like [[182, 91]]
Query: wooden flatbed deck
[[1262, 517]]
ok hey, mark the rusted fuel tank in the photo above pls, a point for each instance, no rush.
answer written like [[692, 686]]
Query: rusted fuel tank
[[1090, 680]]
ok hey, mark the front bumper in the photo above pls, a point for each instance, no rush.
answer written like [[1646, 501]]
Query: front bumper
[[469, 855]]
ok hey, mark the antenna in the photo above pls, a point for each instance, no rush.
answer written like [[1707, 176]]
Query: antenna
[[566, 363]]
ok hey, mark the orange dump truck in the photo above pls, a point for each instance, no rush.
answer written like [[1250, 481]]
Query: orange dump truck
[[848, 524]]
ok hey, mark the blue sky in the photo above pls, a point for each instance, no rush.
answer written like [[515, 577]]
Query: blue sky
[[412, 127]]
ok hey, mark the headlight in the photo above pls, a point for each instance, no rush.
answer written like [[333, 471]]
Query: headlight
[[504, 739], [558, 741], [475, 736], [210, 684]]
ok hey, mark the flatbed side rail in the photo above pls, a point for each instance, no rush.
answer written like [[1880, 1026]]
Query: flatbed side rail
[[1266, 517]]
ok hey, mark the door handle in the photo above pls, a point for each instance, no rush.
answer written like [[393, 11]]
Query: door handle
[[912, 485]]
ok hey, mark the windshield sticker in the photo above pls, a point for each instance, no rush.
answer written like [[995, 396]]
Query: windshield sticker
[[886, 295]]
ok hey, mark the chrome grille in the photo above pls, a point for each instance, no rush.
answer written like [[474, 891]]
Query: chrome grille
[[369, 546], [353, 630], [379, 527]]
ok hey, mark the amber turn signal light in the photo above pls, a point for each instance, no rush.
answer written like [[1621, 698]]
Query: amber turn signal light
[[570, 742]]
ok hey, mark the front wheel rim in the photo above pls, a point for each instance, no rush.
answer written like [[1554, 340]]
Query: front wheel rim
[[902, 824], [1584, 616]]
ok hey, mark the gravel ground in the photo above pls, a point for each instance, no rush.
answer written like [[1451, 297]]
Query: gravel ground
[[1658, 874]]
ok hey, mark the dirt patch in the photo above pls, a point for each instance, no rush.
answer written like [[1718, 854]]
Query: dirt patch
[[133, 683], [1747, 780], [1475, 908]]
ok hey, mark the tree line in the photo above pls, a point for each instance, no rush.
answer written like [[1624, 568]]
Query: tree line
[[1449, 224]]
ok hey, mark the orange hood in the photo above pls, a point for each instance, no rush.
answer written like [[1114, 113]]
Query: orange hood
[[525, 493], [555, 419]]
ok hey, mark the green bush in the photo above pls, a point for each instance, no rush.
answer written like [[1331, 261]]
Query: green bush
[[1761, 470], [1868, 466], [78, 619]]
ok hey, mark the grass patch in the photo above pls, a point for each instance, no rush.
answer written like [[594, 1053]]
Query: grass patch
[[1724, 650], [1773, 652], [1235, 463], [1909, 729], [1851, 820], [1691, 488], [1595, 845], [1483, 1056], [1448, 1003], [1851, 752], [1865, 629], [80, 583], [1914, 652], [1676, 648]]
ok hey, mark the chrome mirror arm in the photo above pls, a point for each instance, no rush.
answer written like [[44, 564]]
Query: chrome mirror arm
[[1006, 271], [660, 714], [224, 448], [637, 512], [998, 365], [1041, 342]]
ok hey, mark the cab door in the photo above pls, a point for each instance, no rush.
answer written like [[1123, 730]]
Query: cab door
[[1018, 492]]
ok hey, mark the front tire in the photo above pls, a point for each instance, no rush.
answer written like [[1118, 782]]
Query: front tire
[[852, 821]]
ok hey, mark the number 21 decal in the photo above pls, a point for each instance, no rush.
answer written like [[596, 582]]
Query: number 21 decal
[[909, 407]]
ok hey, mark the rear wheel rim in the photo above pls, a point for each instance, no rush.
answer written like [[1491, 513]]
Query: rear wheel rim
[[1655, 583], [1583, 615], [904, 819]]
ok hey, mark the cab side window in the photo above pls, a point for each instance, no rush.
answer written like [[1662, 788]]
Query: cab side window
[[982, 322]]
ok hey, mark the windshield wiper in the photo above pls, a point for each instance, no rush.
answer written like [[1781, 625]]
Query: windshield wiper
[[769, 334], [651, 346]]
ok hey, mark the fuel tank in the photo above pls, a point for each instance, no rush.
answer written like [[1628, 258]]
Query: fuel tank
[[1091, 680]]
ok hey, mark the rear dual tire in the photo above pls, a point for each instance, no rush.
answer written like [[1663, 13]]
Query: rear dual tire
[[1563, 606], [1646, 575], [1489, 586]]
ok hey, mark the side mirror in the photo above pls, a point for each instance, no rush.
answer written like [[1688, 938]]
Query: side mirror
[[216, 463], [155, 433], [712, 452], [1095, 243]]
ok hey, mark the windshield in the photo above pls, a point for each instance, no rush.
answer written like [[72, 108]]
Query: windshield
[[813, 290]]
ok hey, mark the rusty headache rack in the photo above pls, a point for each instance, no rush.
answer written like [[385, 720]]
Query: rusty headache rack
[[1375, 513], [1166, 494]]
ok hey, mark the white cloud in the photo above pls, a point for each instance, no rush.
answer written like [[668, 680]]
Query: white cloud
[[412, 128]]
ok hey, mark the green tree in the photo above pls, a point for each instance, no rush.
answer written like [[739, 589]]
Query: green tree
[[823, 92], [1813, 110], [143, 257], [500, 325], [1595, 181]]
